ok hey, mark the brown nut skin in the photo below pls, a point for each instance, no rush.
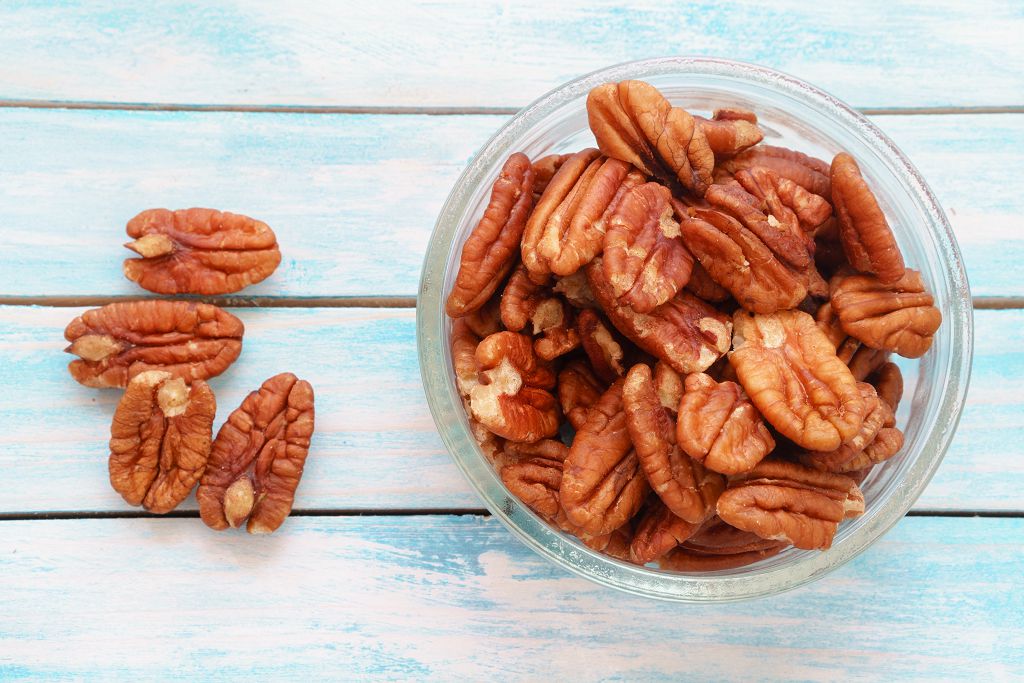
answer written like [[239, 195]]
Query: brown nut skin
[[781, 195], [544, 169], [730, 131], [867, 239], [715, 537], [578, 390], [160, 440], [490, 251], [258, 457], [513, 399], [741, 263], [886, 444], [719, 426], [199, 251], [703, 287], [784, 501], [899, 317], [658, 532], [603, 485], [603, 350], [633, 121], [644, 260], [685, 332], [808, 172], [888, 383], [464, 343], [683, 559], [577, 170], [574, 231], [790, 371], [878, 414], [555, 322], [190, 340], [683, 484]]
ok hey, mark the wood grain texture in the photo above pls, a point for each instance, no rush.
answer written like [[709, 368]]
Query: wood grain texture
[[353, 198], [375, 445], [458, 598], [495, 53]]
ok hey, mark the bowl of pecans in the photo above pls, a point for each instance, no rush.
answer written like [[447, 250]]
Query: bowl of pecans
[[694, 329]]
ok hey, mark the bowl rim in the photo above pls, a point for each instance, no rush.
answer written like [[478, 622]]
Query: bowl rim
[[567, 552]]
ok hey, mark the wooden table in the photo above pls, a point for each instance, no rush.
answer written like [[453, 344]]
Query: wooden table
[[344, 128]]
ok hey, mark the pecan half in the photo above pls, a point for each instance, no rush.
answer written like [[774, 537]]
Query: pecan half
[[574, 231], [683, 559], [685, 332], [685, 486], [118, 341], [897, 317], [784, 501], [633, 121], [513, 398], [888, 382], [199, 251], [862, 360], [490, 250], [603, 350], [258, 457], [464, 343], [544, 169], [644, 260], [886, 444], [837, 460], [536, 479], [669, 386], [719, 426], [525, 304], [808, 172], [577, 170], [703, 287], [160, 439], [716, 545], [867, 238], [782, 196], [658, 532], [603, 485], [737, 260], [578, 390], [789, 369], [576, 290], [730, 131]]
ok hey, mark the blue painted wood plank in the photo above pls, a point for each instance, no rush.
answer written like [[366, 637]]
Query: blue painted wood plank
[[495, 53], [458, 598], [353, 198], [376, 446]]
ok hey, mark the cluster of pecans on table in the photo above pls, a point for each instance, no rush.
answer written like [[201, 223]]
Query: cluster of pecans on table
[[712, 317], [162, 351]]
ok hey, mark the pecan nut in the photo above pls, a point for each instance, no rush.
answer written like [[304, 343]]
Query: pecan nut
[[683, 484], [160, 439], [578, 390], [783, 501], [782, 197], [603, 350], [114, 343], [490, 251], [719, 426], [513, 398], [257, 458], [603, 485], [888, 383], [536, 478], [740, 262], [669, 386], [464, 343], [644, 260], [544, 169], [658, 532], [199, 251], [527, 304], [685, 332], [898, 317], [716, 545], [791, 373], [634, 122], [730, 131], [878, 414], [867, 239], [808, 172], [703, 287]]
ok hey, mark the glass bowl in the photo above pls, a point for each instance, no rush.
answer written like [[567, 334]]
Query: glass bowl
[[791, 113]]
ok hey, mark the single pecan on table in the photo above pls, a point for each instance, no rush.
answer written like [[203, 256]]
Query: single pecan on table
[[603, 485], [257, 458], [790, 370], [199, 251], [683, 484], [490, 251], [719, 426], [899, 317], [513, 398], [644, 260], [160, 439], [633, 121], [784, 501], [114, 343]]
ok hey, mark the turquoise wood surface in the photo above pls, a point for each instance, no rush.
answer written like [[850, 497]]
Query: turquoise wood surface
[[457, 598], [353, 198], [376, 577]]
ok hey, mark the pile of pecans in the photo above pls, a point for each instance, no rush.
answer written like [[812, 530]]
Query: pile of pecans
[[676, 346], [162, 351]]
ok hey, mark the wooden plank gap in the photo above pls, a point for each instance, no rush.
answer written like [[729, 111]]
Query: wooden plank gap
[[229, 302], [194, 514]]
